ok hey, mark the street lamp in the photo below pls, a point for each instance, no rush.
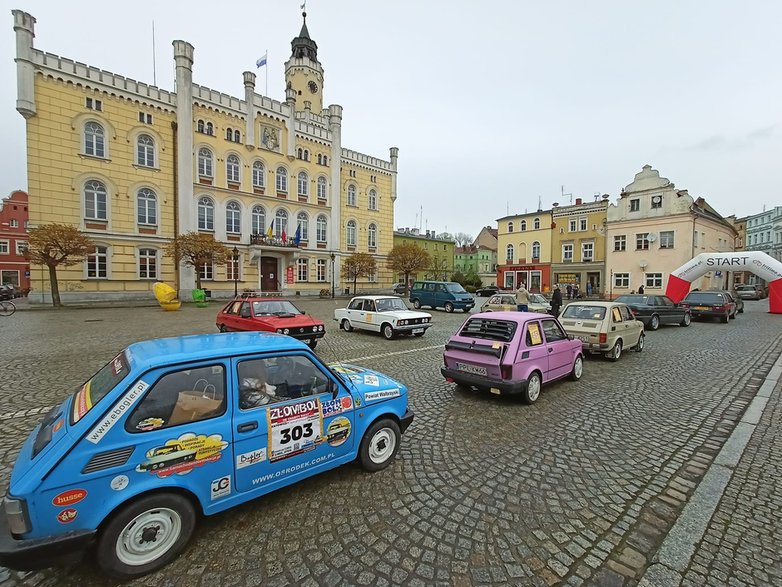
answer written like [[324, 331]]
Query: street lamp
[[236, 271], [332, 275]]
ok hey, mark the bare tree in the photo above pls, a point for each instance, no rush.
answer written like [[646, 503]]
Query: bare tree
[[197, 250], [54, 245], [359, 265], [462, 239], [408, 258]]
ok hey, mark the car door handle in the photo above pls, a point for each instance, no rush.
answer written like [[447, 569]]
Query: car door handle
[[550, 350], [247, 426]]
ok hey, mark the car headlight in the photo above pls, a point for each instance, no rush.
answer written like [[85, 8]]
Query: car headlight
[[279, 331], [321, 328], [16, 514], [286, 331]]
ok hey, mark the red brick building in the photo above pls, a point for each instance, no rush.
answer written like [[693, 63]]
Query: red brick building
[[14, 268]]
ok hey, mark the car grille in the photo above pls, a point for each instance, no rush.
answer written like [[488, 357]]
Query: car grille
[[106, 460]]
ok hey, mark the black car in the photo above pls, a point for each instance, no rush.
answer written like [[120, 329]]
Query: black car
[[654, 310], [486, 291], [711, 304], [399, 288], [7, 292]]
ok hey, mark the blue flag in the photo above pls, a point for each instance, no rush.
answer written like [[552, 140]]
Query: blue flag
[[297, 236], [262, 61]]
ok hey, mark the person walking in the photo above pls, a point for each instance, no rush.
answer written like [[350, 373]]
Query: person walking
[[556, 301], [640, 289], [522, 298], [569, 290]]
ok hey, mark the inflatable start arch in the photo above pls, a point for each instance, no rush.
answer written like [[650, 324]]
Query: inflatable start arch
[[761, 264]]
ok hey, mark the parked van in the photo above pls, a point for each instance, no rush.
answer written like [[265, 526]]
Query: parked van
[[448, 295]]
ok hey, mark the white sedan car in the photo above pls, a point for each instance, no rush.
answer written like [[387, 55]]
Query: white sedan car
[[385, 314]]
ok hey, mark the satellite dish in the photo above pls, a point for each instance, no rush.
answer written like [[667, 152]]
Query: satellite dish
[[651, 237], [643, 264]]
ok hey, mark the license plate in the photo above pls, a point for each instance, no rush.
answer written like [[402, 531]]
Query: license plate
[[474, 369], [702, 308], [582, 338], [417, 330]]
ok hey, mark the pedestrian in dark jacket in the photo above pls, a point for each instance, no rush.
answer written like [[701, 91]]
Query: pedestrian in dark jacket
[[556, 301], [569, 290]]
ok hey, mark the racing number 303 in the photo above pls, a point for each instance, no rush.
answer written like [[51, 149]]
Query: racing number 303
[[296, 433]]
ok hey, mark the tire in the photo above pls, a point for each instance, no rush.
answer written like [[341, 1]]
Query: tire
[[223, 328], [578, 368], [313, 343], [733, 316], [448, 307], [531, 391], [346, 325], [640, 344], [379, 445], [120, 551], [615, 352], [686, 320], [654, 323], [388, 331], [741, 311], [416, 304]]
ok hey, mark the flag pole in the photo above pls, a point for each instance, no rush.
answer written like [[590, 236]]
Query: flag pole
[[154, 60], [266, 87]]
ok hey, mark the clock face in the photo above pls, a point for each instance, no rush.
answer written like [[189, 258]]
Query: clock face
[[313, 87]]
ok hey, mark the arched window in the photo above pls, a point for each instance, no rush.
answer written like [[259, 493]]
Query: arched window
[[282, 180], [229, 134], [320, 159], [523, 225], [205, 162], [320, 228], [145, 149], [200, 126], [510, 226], [258, 220], [372, 236], [536, 223], [352, 195], [237, 137], [509, 253], [146, 203], [258, 174], [206, 214], [372, 200], [303, 226], [306, 155], [94, 139], [303, 184], [147, 264], [210, 129], [350, 233], [98, 263], [535, 250], [232, 165], [233, 218], [95, 200], [322, 188], [281, 223], [299, 154], [325, 159]]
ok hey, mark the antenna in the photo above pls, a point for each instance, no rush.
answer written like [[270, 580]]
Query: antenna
[[562, 189], [154, 67]]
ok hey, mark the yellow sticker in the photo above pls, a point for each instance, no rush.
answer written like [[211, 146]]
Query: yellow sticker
[[534, 333]]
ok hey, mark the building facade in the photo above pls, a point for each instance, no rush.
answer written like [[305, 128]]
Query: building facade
[[764, 232], [578, 251], [524, 251], [477, 260], [441, 251], [14, 268], [654, 229], [133, 166]]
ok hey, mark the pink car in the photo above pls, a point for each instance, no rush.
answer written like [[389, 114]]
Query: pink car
[[511, 353]]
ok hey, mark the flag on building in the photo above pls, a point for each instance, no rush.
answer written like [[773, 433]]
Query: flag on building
[[270, 232], [284, 236], [262, 61], [297, 236]]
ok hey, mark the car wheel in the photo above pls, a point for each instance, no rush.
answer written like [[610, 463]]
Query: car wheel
[[416, 304], [578, 368], [733, 316], [616, 352], [313, 343], [223, 328], [379, 445], [532, 389], [654, 323], [741, 310], [686, 320], [448, 307], [640, 344], [388, 331], [346, 325], [145, 535], [725, 318]]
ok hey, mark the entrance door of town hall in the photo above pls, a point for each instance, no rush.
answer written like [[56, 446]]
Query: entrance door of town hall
[[269, 274]]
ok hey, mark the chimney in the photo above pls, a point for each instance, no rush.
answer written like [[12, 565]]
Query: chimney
[[578, 201]]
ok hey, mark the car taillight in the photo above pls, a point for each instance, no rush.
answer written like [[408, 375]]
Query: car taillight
[[506, 371], [635, 312], [603, 338], [720, 308]]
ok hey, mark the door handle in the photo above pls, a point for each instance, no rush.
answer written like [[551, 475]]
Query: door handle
[[247, 426], [550, 350]]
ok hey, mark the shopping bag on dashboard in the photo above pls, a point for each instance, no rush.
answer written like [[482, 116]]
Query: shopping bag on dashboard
[[196, 404]]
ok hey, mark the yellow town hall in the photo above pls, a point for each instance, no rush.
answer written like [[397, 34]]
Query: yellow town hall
[[133, 165]]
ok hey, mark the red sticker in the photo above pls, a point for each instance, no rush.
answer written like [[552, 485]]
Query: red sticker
[[67, 516], [69, 497], [346, 403]]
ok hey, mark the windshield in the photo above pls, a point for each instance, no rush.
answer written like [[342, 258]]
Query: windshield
[[274, 308], [99, 386], [454, 288], [390, 304], [580, 312], [745, 288], [633, 299], [703, 297], [538, 299]]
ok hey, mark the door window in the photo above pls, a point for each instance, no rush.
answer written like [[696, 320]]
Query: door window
[[627, 315], [233, 308], [356, 305], [278, 379], [616, 314], [533, 337], [553, 331]]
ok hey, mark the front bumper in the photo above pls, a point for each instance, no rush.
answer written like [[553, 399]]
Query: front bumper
[[410, 327], [307, 336], [39, 553], [505, 387], [406, 420]]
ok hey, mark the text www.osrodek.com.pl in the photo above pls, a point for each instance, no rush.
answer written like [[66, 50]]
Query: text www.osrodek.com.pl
[[293, 469]]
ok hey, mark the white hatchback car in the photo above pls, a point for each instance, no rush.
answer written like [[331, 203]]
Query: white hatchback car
[[385, 314], [603, 327]]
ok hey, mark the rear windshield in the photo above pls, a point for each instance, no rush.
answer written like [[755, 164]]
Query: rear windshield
[[454, 288], [633, 299], [745, 288], [584, 312], [703, 297], [99, 386], [489, 329]]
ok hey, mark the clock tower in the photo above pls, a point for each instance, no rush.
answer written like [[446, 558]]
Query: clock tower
[[303, 71]]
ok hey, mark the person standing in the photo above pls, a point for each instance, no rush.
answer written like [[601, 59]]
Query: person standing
[[556, 301], [522, 298], [569, 290], [590, 287], [641, 289]]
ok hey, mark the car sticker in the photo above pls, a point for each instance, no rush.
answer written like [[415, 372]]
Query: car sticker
[[100, 430], [338, 431], [119, 482], [371, 380], [220, 487], [67, 516], [294, 428], [251, 458], [534, 333], [150, 424], [382, 394], [69, 497], [181, 455], [334, 407]]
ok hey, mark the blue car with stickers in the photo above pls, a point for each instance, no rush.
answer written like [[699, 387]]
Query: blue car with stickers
[[173, 428]]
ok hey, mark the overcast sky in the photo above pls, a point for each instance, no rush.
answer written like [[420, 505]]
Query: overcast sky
[[493, 105]]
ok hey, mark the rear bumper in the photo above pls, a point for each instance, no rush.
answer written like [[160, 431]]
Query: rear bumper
[[707, 313], [406, 420], [39, 553], [505, 387]]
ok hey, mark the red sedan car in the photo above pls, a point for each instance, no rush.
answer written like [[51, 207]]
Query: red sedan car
[[270, 315]]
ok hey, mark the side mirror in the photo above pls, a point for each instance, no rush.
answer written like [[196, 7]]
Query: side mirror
[[571, 337], [304, 311], [245, 313]]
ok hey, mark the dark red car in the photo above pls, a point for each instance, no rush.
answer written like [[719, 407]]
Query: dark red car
[[270, 315]]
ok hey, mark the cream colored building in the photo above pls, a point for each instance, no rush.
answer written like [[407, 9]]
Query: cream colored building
[[654, 228], [524, 251], [133, 165]]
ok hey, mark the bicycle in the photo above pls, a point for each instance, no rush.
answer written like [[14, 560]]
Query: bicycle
[[7, 308]]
